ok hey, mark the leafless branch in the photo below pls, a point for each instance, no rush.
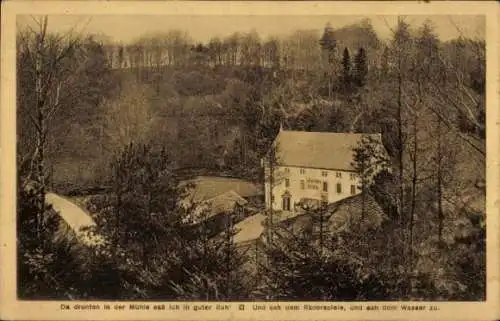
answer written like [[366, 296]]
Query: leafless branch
[[448, 124]]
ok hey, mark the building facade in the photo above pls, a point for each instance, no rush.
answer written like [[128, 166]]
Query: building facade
[[307, 169], [298, 186]]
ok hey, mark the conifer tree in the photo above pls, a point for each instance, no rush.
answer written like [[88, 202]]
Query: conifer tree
[[143, 201], [369, 159], [207, 268], [346, 68], [360, 68], [328, 45], [384, 62], [297, 268]]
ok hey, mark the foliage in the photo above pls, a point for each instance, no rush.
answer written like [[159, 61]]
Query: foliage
[[160, 254], [55, 265], [296, 269], [370, 158], [209, 269], [75, 77], [141, 208]]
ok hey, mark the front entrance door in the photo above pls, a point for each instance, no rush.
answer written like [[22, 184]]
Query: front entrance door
[[286, 203]]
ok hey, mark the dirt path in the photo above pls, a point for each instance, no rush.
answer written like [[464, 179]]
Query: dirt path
[[74, 216]]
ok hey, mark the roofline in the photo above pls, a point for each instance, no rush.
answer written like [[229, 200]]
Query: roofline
[[313, 167], [322, 133], [326, 132]]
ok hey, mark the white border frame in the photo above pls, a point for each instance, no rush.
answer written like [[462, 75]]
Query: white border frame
[[11, 308]]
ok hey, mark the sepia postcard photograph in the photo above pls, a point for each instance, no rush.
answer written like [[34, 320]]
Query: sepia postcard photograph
[[249, 160]]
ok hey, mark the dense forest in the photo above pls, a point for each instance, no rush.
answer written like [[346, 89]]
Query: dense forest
[[127, 117]]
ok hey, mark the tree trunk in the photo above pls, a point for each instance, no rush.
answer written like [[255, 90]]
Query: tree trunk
[[40, 139], [400, 141], [145, 244], [363, 191], [439, 185], [413, 193], [271, 185], [321, 232], [228, 256], [400, 147], [117, 214]]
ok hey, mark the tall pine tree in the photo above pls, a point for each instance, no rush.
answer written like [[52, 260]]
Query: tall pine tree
[[346, 69], [360, 68], [328, 43], [328, 46], [384, 62]]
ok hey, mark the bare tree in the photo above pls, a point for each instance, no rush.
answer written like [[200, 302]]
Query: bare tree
[[270, 163], [47, 56], [273, 176], [270, 53], [439, 174], [128, 118], [329, 47], [401, 48], [305, 49], [455, 94], [251, 49], [233, 48]]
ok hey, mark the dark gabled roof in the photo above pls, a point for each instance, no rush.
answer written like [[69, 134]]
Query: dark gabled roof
[[346, 215], [225, 202], [323, 150], [343, 216]]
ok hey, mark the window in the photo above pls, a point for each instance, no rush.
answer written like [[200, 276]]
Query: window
[[339, 188], [302, 171], [325, 187], [338, 174], [287, 170], [302, 184], [353, 189], [324, 173], [287, 182], [353, 176]]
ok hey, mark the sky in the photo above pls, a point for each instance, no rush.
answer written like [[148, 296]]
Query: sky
[[201, 28]]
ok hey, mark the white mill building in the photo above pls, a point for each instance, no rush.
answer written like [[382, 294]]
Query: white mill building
[[312, 168]]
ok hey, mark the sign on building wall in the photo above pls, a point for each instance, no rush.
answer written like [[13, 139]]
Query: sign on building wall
[[314, 184]]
